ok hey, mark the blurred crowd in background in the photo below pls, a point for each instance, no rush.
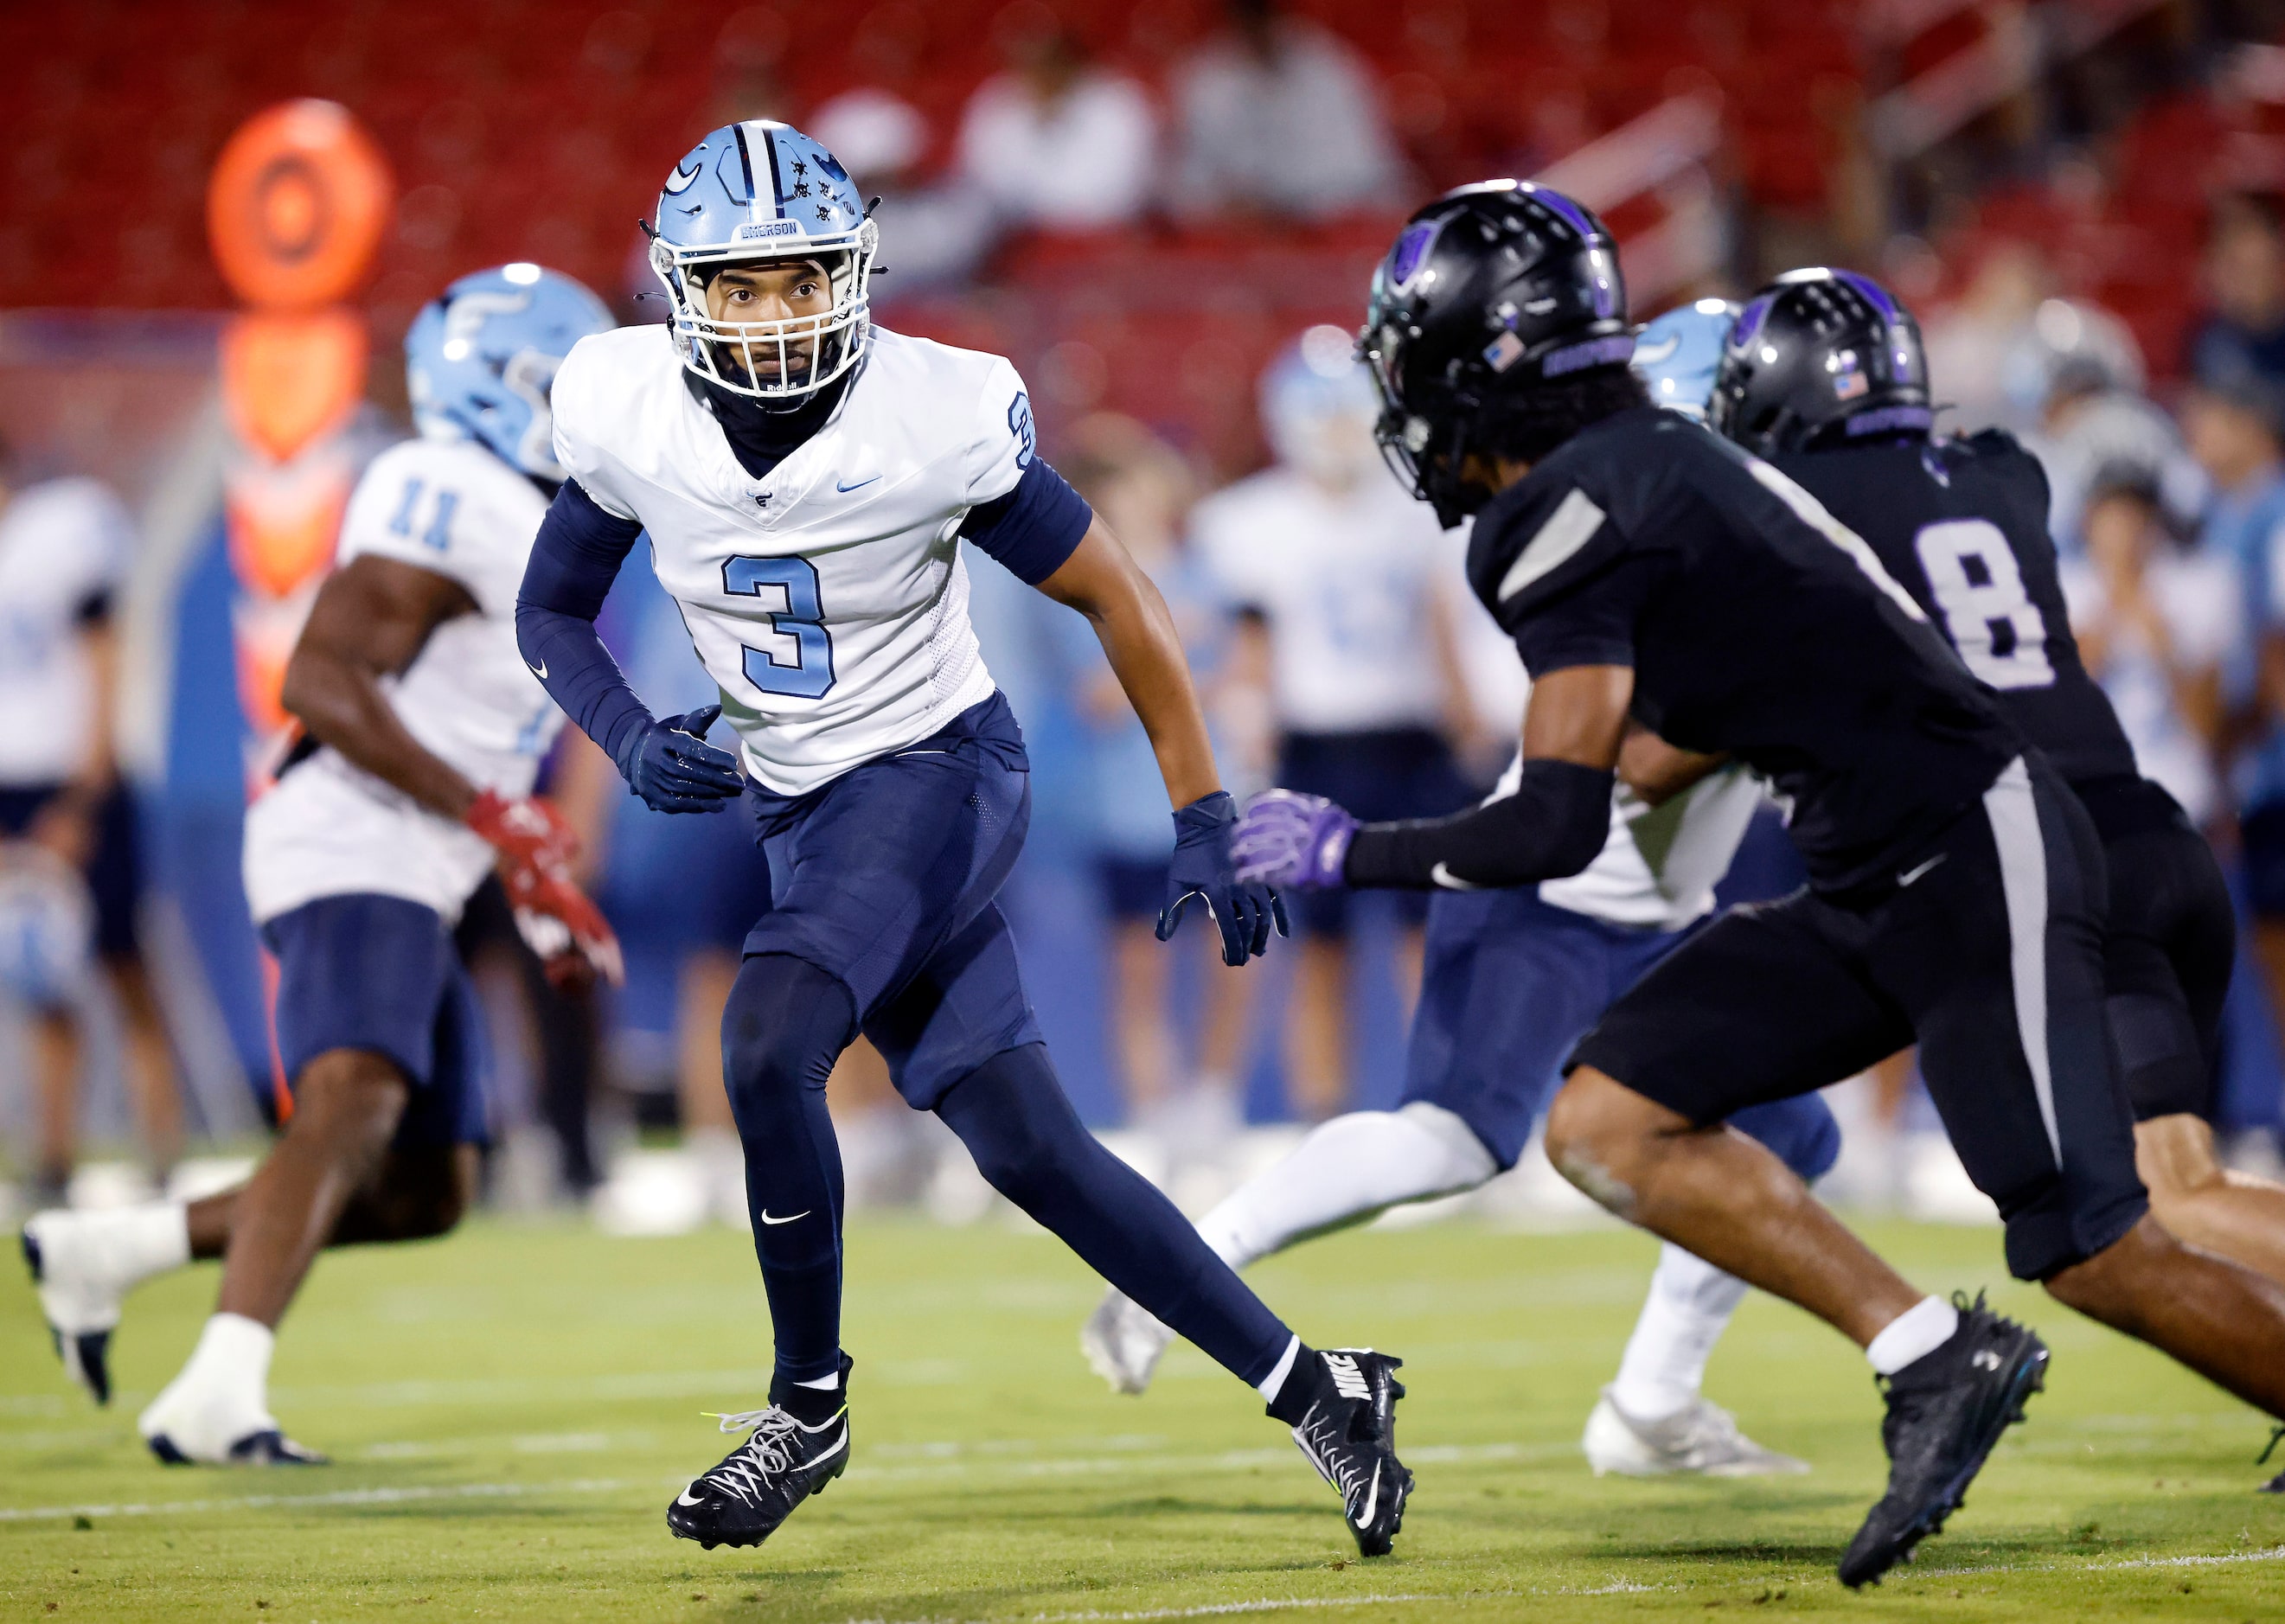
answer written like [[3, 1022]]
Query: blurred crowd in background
[[1165, 213]]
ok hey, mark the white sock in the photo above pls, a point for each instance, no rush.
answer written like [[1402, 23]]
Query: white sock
[[1915, 1334], [1688, 1308], [1346, 1171], [229, 1367], [1267, 1385], [136, 1242]]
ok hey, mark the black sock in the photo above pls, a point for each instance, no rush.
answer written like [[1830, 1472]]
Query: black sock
[[1299, 1390], [812, 1406]]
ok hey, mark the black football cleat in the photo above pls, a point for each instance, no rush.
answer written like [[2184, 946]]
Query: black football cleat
[[1946, 1410], [1348, 1432], [267, 1447], [782, 1462]]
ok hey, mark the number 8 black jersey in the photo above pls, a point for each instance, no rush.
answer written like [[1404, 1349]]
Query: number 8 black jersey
[[1755, 625], [1962, 525]]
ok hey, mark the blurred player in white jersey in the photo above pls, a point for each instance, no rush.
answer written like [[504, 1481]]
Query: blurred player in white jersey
[[64, 547], [422, 735], [1334, 574], [805, 480], [1513, 978]]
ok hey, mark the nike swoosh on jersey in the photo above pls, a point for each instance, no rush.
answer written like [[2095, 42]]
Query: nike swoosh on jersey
[[538, 671], [1569, 527], [804, 1213], [860, 485], [1450, 882], [1918, 869], [1651, 355]]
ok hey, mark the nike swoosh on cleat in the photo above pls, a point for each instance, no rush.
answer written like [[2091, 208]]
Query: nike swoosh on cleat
[[1372, 1498], [860, 485], [538, 671], [684, 1499], [804, 1213]]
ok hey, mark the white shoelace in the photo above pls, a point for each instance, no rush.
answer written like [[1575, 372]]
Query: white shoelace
[[751, 1467]]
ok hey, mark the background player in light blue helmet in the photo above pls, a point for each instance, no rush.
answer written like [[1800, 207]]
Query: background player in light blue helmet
[[1512, 978], [480, 360], [1676, 355], [1344, 591], [413, 785]]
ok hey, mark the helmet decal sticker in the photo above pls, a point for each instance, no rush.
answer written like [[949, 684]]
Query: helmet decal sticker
[[1750, 321], [1405, 260], [687, 171]]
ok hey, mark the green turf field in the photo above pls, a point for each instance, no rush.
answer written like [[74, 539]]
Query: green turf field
[[511, 1409]]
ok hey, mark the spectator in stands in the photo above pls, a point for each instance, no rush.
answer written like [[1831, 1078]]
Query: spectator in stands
[[2156, 623], [1333, 568], [2076, 373], [1280, 116], [1057, 143], [1144, 490], [2231, 421], [932, 236], [1969, 340], [65, 812], [2244, 330]]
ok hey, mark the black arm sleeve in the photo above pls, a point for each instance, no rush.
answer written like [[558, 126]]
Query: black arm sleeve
[[1553, 826]]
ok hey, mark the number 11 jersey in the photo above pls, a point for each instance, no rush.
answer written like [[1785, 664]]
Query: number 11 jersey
[[1962, 525], [827, 599]]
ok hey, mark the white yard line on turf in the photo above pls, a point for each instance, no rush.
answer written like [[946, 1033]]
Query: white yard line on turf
[[859, 1477]]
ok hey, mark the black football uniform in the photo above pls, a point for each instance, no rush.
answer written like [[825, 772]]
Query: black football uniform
[[1962, 525], [1955, 893]]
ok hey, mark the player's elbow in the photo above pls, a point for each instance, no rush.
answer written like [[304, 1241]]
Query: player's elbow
[[310, 689]]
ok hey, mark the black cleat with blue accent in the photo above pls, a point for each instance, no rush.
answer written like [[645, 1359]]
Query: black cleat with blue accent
[[796, 1447], [1341, 1404], [1946, 1410]]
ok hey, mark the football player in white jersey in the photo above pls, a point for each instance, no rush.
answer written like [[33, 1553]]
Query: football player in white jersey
[[67, 820], [805, 480], [1512, 978], [422, 735]]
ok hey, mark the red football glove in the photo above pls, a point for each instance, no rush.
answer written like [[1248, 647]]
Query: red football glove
[[555, 917], [527, 832]]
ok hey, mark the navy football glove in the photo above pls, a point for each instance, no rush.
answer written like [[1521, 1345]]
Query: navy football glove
[[1203, 867], [669, 764]]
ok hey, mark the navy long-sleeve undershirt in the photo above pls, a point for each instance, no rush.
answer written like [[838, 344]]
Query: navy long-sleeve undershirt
[[575, 557]]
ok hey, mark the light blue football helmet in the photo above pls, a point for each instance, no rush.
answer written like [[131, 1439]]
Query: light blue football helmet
[[481, 359], [1318, 405], [1676, 356], [754, 192]]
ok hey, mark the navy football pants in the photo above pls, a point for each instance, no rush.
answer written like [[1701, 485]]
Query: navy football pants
[[884, 921]]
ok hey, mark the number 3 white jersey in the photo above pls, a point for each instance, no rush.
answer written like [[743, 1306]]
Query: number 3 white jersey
[[827, 599], [329, 829]]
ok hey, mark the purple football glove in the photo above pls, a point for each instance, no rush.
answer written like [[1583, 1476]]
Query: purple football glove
[[1285, 838]]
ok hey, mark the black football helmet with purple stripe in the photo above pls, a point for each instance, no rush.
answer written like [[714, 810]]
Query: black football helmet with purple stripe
[[1818, 358], [1499, 287]]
